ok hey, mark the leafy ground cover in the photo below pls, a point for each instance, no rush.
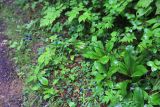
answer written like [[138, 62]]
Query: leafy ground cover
[[94, 53]]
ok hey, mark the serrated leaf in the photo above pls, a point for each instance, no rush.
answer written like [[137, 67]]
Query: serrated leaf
[[74, 12], [128, 38], [50, 14], [85, 16]]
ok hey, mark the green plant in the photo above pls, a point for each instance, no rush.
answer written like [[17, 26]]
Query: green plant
[[132, 66], [111, 46]]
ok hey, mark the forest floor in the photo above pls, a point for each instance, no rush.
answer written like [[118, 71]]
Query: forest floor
[[10, 85]]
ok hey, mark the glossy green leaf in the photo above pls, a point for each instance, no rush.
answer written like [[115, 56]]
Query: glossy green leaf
[[122, 87], [99, 77], [72, 104], [138, 97], [109, 46], [144, 3], [155, 99], [104, 59], [112, 70], [43, 80], [139, 71], [100, 67], [90, 55]]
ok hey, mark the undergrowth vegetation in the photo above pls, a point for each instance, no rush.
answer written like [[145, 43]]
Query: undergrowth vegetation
[[93, 53]]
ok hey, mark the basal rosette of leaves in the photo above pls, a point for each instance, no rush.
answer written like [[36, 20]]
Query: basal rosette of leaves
[[117, 40]]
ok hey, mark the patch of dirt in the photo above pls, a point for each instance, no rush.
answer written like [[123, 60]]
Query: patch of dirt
[[7, 2], [10, 85]]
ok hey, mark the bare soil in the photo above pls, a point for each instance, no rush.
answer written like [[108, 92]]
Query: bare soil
[[10, 85]]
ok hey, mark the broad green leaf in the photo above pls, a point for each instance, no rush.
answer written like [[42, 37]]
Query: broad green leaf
[[156, 25], [43, 80], [141, 12], [158, 7], [138, 97], [94, 38], [139, 71], [90, 54], [99, 77], [157, 62], [79, 45], [41, 59], [95, 51], [152, 21], [155, 99], [104, 59], [109, 46], [50, 91], [146, 96], [122, 87], [148, 105], [152, 65], [99, 48], [144, 3], [123, 69], [111, 71], [100, 67], [72, 104]]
